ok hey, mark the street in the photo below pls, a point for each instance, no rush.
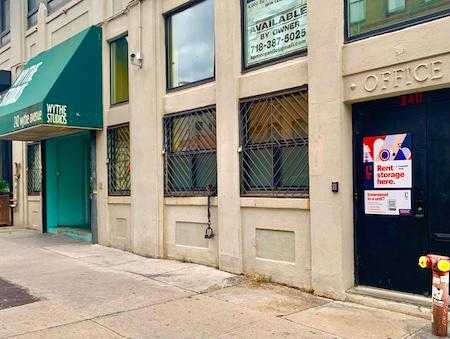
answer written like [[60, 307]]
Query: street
[[54, 287]]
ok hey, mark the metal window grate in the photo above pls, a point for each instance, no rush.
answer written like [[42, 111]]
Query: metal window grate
[[190, 153], [274, 145], [34, 173], [119, 176]]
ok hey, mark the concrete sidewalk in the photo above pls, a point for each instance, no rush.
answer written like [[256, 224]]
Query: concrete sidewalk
[[87, 291]]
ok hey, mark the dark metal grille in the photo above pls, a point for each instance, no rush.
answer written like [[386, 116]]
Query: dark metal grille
[[190, 153], [119, 177], [274, 145], [34, 172]]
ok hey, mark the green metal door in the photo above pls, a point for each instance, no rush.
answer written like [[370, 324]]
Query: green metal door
[[67, 178]]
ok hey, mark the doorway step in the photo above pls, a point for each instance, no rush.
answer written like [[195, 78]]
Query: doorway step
[[75, 233]]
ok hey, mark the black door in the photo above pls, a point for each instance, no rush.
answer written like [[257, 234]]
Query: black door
[[402, 188]]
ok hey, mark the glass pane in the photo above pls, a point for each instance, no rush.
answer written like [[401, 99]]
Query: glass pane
[[294, 170], [357, 11], [383, 14], [273, 29], [191, 45], [7, 16], [396, 5], [179, 173], [205, 171], [119, 71], [194, 132], [258, 169], [277, 119], [53, 5], [32, 5]]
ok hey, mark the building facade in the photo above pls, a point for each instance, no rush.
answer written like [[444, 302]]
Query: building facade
[[257, 136]]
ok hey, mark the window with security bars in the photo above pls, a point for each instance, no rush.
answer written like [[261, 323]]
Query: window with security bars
[[190, 153], [274, 145], [34, 173], [119, 176]]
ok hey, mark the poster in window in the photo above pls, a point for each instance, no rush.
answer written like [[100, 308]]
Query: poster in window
[[274, 28], [387, 161]]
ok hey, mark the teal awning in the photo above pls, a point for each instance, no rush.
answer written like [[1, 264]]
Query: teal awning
[[58, 92]]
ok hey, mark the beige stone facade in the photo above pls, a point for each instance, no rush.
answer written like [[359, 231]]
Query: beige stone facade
[[307, 243]]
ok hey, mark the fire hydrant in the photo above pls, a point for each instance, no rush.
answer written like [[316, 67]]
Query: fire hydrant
[[440, 266]]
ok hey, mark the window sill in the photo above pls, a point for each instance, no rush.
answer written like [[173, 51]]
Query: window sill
[[4, 48], [278, 203], [119, 200], [31, 31], [189, 201]]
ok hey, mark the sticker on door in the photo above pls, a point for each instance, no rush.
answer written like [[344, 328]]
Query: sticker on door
[[388, 202]]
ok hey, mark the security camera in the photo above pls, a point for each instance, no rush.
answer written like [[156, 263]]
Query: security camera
[[136, 58]]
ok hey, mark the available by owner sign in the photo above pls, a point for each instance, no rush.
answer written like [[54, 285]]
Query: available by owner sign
[[387, 164], [274, 28]]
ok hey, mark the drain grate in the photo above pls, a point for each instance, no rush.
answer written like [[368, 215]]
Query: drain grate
[[12, 295]]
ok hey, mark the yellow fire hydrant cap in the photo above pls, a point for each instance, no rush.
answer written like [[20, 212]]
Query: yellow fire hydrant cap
[[423, 261], [443, 265]]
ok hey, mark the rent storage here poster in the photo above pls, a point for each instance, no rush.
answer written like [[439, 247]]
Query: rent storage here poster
[[387, 164]]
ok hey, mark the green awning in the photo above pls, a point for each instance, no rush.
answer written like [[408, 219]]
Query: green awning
[[58, 92]]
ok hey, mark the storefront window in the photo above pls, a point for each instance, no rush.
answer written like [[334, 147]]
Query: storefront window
[[374, 17], [119, 176], [190, 45], [190, 157], [274, 157], [119, 71], [34, 169], [273, 30]]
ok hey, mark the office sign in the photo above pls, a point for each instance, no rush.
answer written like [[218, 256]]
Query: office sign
[[273, 29]]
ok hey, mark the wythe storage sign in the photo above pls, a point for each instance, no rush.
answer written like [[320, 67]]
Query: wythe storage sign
[[273, 29]]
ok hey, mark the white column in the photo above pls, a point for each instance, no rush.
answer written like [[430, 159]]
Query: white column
[[228, 59], [330, 133], [146, 143]]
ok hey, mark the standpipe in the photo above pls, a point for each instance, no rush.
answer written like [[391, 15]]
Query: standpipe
[[440, 266]]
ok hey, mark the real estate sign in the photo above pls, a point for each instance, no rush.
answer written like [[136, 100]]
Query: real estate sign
[[273, 29]]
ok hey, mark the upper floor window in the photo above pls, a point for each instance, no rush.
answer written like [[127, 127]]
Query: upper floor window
[[119, 70], [190, 44], [5, 18], [33, 7], [273, 30], [54, 5], [366, 18]]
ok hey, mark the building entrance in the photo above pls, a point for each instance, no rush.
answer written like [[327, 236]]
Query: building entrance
[[402, 188], [67, 187]]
